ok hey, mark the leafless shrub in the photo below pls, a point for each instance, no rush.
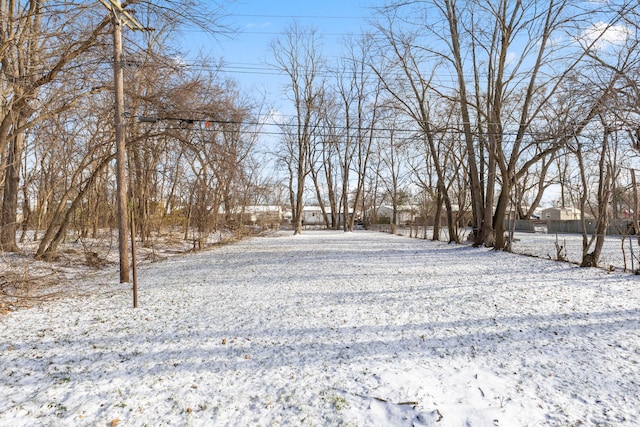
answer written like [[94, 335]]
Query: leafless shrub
[[19, 288], [561, 250]]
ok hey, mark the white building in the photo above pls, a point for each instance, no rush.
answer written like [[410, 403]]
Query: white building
[[405, 213], [563, 214]]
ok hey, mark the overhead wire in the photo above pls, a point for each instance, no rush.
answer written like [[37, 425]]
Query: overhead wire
[[415, 133], [265, 69]]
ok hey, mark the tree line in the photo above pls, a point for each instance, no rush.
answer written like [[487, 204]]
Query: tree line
[[470, 109], [189, 150]]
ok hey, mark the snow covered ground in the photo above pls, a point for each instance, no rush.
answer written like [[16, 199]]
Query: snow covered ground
[[331, 328], [619, 252]]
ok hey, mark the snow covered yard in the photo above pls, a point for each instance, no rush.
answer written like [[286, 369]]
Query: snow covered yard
[[331, 328]]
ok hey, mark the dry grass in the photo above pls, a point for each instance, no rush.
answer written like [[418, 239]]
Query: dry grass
[[25, 282], [19, 288]]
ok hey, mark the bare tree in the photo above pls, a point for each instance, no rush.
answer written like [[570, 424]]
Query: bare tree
[[393, 149], [358, 92], [502, 96], [604, 182], [297, 55], [32, 39], [53, 56], [611, 65], [413, 96], [324, 165]]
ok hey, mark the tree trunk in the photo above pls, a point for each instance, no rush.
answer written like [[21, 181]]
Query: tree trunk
[[605, 182], [47, 247], [436, 217], [9, 213], [477, 205], [500, 215], [299, 203]]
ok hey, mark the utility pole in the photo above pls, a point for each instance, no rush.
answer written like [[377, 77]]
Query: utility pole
[[121, 177], [119, 17]]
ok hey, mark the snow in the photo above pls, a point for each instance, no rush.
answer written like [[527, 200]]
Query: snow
[[618, 252], [331, 328]]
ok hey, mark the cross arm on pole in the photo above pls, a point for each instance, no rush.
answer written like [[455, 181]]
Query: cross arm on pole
[[115, 7]]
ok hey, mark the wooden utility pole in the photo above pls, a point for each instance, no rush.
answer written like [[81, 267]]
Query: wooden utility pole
[[635, 217], [120, 17], [121, 178]]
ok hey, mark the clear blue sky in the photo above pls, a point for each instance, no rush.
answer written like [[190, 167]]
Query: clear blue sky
[[261, 21], [246, 54]]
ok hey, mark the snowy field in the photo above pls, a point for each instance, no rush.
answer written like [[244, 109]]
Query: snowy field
[[331, 328], [618, 253]]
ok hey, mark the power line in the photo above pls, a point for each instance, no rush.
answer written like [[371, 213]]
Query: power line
[[296, 16], [416, 132], [272, 33]]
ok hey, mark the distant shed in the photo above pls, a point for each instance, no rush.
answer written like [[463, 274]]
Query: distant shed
[[563, 214]]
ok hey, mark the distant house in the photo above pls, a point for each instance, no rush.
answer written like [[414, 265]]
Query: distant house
[[563, 214], [312, 215], [405, 213]]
